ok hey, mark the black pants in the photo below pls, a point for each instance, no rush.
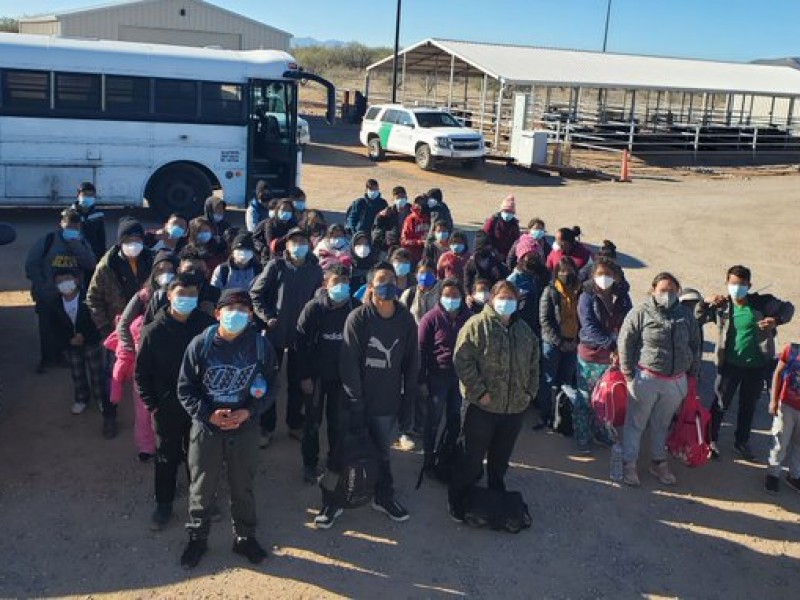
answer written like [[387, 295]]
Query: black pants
[[324, 401], [294, 394], [172, 429], [49, 348], [411, 416], [109, 409], [749, 382], [487, 435]]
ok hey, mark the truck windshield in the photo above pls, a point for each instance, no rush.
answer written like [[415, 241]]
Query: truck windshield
[[436, 119]]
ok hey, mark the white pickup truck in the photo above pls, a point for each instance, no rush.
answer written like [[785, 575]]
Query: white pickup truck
[[429, 135]]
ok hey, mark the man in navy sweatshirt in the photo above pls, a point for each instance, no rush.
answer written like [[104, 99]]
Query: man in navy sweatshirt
[[227, 380]]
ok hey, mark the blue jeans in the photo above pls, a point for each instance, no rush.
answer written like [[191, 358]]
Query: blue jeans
[[445, 399], [559, 368], [381, 430]]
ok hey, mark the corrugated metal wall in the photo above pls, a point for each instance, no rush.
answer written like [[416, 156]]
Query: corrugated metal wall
[[40, 27], [161, 17]]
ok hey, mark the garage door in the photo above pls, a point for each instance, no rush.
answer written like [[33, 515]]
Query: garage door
[[180, 37]]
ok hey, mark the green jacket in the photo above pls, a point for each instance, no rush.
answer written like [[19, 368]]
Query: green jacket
[[503, 361]]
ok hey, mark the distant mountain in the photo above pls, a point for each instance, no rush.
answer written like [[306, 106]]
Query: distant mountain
[[309, 41], [789, 61]]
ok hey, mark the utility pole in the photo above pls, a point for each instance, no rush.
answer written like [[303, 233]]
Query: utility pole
[[608, 20], [396, 61]]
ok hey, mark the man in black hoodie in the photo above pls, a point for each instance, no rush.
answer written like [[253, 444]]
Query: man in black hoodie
[[380, 358], [158, 364], [227, 379], [214, 211], [93, 223]]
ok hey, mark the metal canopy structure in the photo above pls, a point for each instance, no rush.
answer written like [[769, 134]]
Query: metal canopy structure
[[592, 92]]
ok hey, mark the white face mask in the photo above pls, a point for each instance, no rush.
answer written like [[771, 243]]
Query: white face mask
[[67, 286], [132, 249], [242, 256], [604, 282], [362, 251], [556, 246]]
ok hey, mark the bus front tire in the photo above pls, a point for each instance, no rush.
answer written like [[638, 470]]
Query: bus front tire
[[179, 188]]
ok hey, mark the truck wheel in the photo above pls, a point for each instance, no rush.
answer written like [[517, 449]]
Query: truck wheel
[[425, 160], [375, 150], [179, 188]]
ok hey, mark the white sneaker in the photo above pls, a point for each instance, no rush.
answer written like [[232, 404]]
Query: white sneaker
[[78, 408], [406, 443]]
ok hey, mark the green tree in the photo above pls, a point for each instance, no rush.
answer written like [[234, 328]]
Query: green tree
[[9, 25]]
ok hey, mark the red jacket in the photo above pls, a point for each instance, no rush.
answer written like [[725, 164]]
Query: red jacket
[[415, 232], [580, 255], [452, 265], [502, 234]]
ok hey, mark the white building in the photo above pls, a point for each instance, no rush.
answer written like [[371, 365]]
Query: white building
[[176, 22]]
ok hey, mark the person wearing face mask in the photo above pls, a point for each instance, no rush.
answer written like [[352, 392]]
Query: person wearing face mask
[[258, 207], [320, 330], [438, 331], [746, 330], [389, 222], [228, 378], [192, 265], [415, 230], [602, 308], [480, 296], [119, 275], [502, 228], [659, 348], [452, 262], [438, 244], [241, 269], [364, 256], [401, 261], [299, 204], [202, 240], [269, 237], [361, 214], [172, 236], [315, 227], [378, 360], [485, 263], [158, 363], [63, 248], [93, 222], [496, 359], [279, 294], [73, 330], [214, 211], [535, 238], [439, 211], [567, 244], [334, 249]]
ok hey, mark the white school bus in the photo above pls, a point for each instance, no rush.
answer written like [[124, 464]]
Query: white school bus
[[169, 125]]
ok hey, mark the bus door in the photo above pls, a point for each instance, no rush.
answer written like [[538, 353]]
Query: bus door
[[272, 133]]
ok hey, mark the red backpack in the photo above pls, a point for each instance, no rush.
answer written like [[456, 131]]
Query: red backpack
[[610, 397], [690, 434]]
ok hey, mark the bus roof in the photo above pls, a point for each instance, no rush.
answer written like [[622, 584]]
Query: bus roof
[[19, 51]]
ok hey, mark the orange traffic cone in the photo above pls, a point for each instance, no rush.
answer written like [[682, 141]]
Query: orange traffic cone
[[624, 175]]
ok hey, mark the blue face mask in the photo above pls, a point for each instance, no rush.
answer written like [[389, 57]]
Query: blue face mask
[[86, 201], [507, 216], [176, 232], [271, 213], [457, 248], [184, 304], [284, 215], [339, 293], [71, 234], [234, 321], [299, 205], [441, 236], [451, 304], [537, 234], [401, 202], [204, 237], [505, 307], [738, 292], [402, 269], [426, 279], [373, 194], [337, 243], [385, 291], [298, 252]]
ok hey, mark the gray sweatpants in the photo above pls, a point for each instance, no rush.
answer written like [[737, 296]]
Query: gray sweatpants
[[655, 401], [786, 434], [208, 451]]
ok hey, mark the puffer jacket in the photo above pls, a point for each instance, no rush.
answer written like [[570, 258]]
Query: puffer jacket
[[763, 305], [666, 342], [550, 318], [599, 327], [501, 361]]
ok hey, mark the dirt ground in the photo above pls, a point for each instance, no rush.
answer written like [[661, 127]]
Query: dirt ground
[[74, 508]]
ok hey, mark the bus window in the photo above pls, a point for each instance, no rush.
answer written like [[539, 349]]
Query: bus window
[[27, 91], [176, 98], [221, 102], [77, 91], [127, 95]]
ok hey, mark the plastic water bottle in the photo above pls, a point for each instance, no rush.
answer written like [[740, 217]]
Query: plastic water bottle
[[616, 462]]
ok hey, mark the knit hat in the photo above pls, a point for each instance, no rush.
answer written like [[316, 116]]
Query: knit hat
[[509, 204], [243, 240], [127, 227], [526, 245], [234, 296]]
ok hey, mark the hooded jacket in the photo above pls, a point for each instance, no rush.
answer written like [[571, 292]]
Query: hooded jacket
[[269, 231], [530, 290], [438, 333], [451, 265], [501, 361], [600, 327], [362, 213], [361, 266], [320, 333], [502, 234], [388, 227], [441, 212], [415, 232], [208, 211], [51, 252], [484, 264]]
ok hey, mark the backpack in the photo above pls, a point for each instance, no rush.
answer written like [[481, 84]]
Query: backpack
[[442, 463], [689, 436], [497, 509], [562, 420], [610, 397]]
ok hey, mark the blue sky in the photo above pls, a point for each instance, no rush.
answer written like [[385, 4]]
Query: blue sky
[[713, 29]]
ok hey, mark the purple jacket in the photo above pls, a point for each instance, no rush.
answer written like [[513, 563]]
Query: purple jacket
[[599, 328], [437, 339]]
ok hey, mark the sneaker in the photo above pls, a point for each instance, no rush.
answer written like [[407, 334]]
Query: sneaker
[[715, 453], [161, 516], [772, 484], [391, 508], [250, 549], [145, 457], [296, 434], [109, 428], [745, 452], [78, 408], [265, 439], [630, 476], [193, 552], [327, 516], [406, 444], [310, 475], [793, 482], [660, 470]]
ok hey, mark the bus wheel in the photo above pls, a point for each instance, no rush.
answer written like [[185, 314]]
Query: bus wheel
[[179, 188]]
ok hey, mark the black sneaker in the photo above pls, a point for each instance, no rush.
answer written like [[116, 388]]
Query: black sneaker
[[745, 452], [250, 549], [193, 553], [793, 482], [109, 428], [327, 516], [772, 484], [161, 516], [391, 508]]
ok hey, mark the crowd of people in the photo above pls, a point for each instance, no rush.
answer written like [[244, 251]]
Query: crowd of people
[[389, 319]]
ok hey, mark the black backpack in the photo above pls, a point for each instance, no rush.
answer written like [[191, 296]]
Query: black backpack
[[445, 457], [562, 421], [496, 509]]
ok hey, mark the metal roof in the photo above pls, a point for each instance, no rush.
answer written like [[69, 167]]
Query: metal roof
[[529, 65]]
